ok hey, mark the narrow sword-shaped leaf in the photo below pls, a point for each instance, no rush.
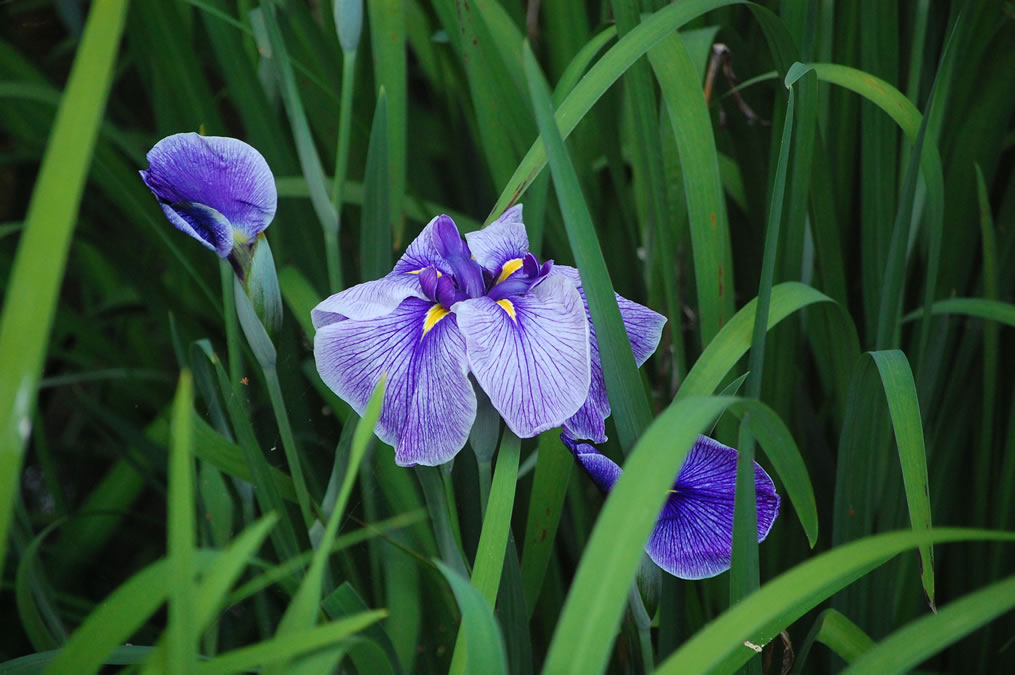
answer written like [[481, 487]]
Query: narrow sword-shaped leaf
[[34, 283], [623, 385], [484, 644], [842, 636], [183, 629], [720, 646]]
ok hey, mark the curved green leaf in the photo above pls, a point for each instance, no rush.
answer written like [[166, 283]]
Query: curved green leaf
[[722, 645], [485, 652], [980, 308], [842, 636], [921, 639], [732, 342]]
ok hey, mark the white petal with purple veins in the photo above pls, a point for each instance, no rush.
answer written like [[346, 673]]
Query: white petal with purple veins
[[644, 329], [429, 403], [530, 353], [502, 240], [368, 300]]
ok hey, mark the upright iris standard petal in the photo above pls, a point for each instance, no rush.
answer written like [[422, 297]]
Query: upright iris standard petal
[[644, 329], [530, 353], [218, 190], [429, 404], [693, 538], [502, 241]]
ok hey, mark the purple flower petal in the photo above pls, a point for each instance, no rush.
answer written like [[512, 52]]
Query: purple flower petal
[[502, 240], [429, 404], [196, 177], [644, 329], [369, 300], [420, 254], [693, 538], [530, 353]]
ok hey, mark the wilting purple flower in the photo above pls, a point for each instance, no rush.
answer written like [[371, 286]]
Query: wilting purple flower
[[693, 538], [485, 307], [218, 190]]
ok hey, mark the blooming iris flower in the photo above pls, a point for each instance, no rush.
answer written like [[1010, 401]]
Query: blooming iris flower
[[483, 307], [218, 190], [693, 538]]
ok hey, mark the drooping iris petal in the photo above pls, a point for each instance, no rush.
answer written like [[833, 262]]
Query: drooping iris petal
[[429, 404], [644, 329], [693, 537], [501, 241], [530, 353], [201, 180], [368, 300], [372, 299]]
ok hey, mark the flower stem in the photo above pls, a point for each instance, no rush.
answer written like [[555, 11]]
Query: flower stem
[[232, 325], [438, 507], [292, 454], [484, 485], [341, 165]]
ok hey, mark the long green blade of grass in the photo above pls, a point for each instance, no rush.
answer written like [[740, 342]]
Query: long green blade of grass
[[623, 385], [979, 308], [486, 573], [305, 606], [904, 407], [688, 112], [721, 646], [733, 341], [921, 639], [484, 644], [375, 229], [842, 636], [592, 612], [183, 628], [34, 283]]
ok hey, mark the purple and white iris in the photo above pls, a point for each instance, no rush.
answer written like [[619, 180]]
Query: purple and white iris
[[218, 190], [693, 538], [483, 307]]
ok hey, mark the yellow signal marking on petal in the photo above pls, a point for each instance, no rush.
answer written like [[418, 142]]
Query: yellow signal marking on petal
[[439, 275], [433, 317], [508, 307], [509, 268]]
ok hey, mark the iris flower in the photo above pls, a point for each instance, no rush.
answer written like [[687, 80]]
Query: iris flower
[[484, 308], [693, 538], [218, 190]]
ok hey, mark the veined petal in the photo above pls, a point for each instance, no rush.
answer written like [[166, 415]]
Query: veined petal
[[368, 300], [429, 404], [501, 241], [222, 174], [203, 223], [420, 254], [530, 353], [693, 538], [644, 329]]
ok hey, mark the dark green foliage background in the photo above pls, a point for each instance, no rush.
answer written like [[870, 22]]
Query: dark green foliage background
[[457, 121]]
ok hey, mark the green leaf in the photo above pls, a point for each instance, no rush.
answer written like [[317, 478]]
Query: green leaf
[[304, 607], [375, 228], [377, 653], [599, 78], [33, 286], [483, 642], [592, 611], [489, 563], [732, 342], [39, 621], [720, 646], [290, 646], [904, 407], [980, 308], [549, 486], [623, 385], [183, 628], [919, 640], [842, 636], [680, 83]]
